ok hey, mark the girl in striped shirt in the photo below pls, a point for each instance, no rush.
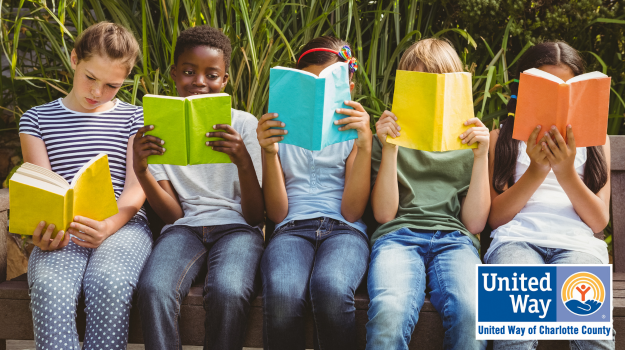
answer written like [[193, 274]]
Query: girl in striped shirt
[[102, 259]]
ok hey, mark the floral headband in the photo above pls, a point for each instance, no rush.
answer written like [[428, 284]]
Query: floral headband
[[345, 53]]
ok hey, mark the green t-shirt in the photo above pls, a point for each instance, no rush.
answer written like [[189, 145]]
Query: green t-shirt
[[430, 185]]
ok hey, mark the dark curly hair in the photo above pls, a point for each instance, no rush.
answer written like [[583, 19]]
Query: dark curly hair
[[203, 36]]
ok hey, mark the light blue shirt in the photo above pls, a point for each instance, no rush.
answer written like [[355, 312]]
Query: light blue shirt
[[315, 181]]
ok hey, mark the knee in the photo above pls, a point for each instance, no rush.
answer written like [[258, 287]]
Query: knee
[[392, 311], [228, 293], [154, 291], [331, 298], [462, 312]]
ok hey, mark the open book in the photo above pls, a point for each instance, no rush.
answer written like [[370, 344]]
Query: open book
[[431, 110], [183, 123], [37, 194], [307, 104], [547, 100]]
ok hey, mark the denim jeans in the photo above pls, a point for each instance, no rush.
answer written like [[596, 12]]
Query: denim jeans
[[318, 261], [106, 275], [232, 254], [405, 263], [527, 253]]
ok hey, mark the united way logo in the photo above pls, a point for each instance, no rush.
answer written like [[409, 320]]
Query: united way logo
[[583, 293]]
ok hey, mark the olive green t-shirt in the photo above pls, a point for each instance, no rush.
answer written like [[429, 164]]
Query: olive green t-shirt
[[430, 185]]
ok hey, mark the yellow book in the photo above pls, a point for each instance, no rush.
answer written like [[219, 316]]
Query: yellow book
[[431, 110], [37, 194]]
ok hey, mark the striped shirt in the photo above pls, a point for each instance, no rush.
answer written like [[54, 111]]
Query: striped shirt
[[73, 138]]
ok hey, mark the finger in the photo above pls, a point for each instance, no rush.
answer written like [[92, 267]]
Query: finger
[[65, 241], [226, 150], [272, 124], [350, 126], [46, 235], [267, 116], [81, 235], [559, 139], [475, 121], [478, 138], [273, 132], [552, 145], [347, 120], [570, 137], [57, 240], [271, 140], [466, 133], [469, 138], [388, 114], [75, 226], [348, 111], [355, 105], [534, 136], [547, 152], [394, 128], [151, 146], [37, 232], [86, 221], [83, 244], [142, 130], [228, 144], [228, 128], [151, 139], [388, 121]]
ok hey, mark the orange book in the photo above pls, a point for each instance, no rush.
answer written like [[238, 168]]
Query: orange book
[[547, 100]]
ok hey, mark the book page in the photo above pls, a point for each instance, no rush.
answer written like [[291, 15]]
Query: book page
[[586, 76], [588, 111], [167, 114], [93, 193], [458, 109], [537, 104], [336, 92], [541, 73], [43, 174], [205, 111]]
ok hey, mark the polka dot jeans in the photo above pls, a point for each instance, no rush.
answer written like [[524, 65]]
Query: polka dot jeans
[[106, 275]]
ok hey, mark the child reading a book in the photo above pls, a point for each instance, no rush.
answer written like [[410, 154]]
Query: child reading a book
[[102, 259], [548, 197], [430, 205], [318, 252], [213, 211]]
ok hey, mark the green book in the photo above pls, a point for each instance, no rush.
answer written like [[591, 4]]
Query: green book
[[182, 122]]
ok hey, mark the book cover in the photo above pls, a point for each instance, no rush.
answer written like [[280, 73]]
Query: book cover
[[307, 105], [37, 194], [431, 110], [546, 100], [183, 123]]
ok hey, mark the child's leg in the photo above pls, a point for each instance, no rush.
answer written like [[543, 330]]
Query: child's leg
[[562, 256], [55, 280], [178, 257], [396, 285], [233, 261], [340, 265], [285, 268], [451, 275], [110, 280]]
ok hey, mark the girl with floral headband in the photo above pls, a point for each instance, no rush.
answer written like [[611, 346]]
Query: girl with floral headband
[[319, 252]]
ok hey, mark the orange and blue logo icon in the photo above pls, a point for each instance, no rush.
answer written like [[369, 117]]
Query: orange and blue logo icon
[[583, 293]]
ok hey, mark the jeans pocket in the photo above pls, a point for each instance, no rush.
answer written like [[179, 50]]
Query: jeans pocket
[[283, 228]]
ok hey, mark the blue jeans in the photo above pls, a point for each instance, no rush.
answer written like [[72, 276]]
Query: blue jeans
[[107, 275], [403, 264], [321, 261], [527, 253], [231, 253]]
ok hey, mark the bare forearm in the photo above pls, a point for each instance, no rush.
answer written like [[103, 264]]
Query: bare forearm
[[385, 194], [476, 205], [357, 185], [505, 206], [590, 208], [274, 189], [163, 204], [129, 203], [252, 203]]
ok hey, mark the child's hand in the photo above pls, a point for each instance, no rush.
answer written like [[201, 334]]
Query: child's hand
[[44, 242], [265, 134], [387, 126], [480, 134], [232, 145], [358, 119], [560, 155], [89, 233], [536, 153], [144, 146]]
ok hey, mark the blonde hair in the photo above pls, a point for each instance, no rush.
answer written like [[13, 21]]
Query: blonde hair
[[109, 40], [436, 56]]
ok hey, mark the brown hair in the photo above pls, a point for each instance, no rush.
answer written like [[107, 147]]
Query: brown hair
[[110, 40], [507, 149], [320, 57], [436, 56]]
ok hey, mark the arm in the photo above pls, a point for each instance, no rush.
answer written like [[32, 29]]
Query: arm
[[506, 205], [358, 165], [385, 194], [161, 194], [252, 203], [274, 188], [476, 204], [593, 209]]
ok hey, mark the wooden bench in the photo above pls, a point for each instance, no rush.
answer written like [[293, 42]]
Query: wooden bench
[[16, 322]]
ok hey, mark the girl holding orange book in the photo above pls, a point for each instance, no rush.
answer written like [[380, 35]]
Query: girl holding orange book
[[548, 198]]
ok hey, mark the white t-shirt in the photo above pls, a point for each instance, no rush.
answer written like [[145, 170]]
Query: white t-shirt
[[210, 194]]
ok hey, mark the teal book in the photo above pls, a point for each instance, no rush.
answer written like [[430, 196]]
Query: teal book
[[307, 105], [183, 123]]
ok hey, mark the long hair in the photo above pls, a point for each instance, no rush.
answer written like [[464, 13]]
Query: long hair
[[507, 149]]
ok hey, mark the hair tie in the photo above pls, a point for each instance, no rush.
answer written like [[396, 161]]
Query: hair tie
[[510, 114], [345, 53], [513, 96]]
